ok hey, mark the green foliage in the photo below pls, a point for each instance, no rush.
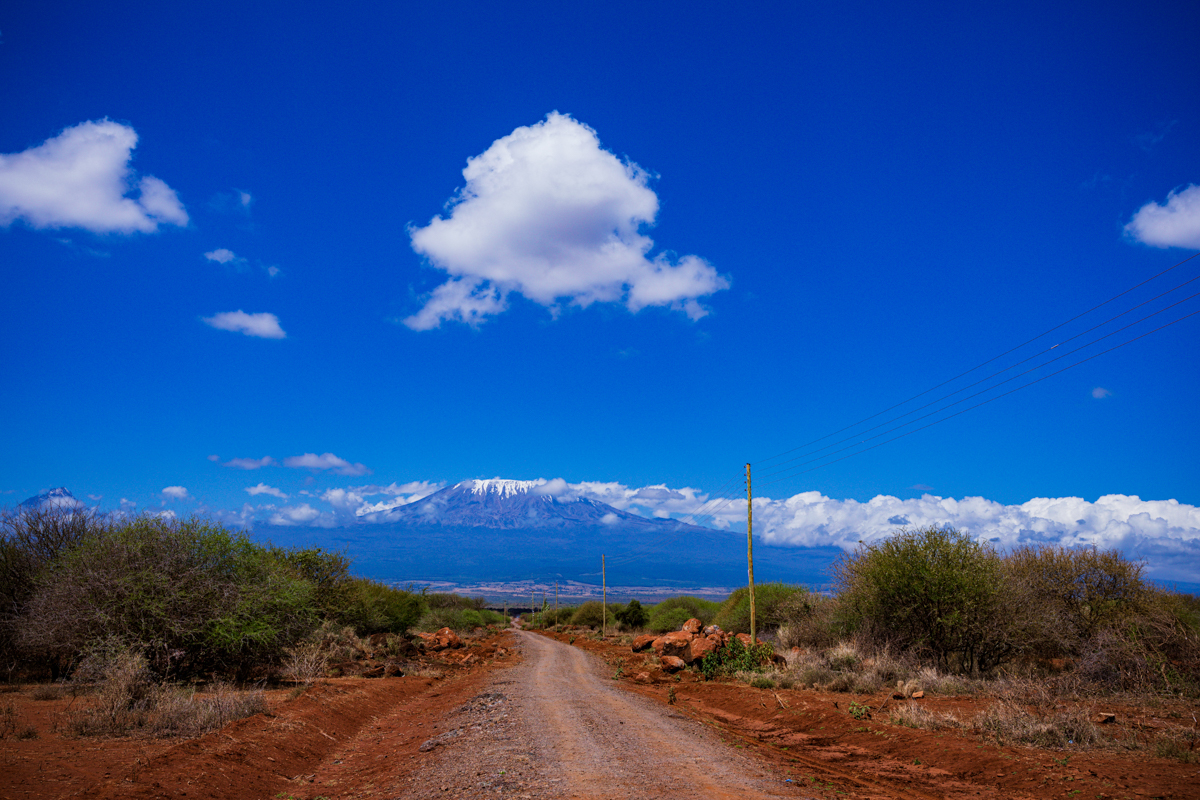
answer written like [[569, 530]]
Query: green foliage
[[460, 617], [931, 590], [772, 601], [859, 710], [735, 657], [591, 614], [633, 615], [668, 615], [371, 607]]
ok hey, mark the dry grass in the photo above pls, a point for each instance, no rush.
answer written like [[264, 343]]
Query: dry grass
[[915, 715], [1010, 723]]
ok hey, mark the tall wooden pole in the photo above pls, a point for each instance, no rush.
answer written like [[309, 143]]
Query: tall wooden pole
[[604, 604], [556, 605], [543, 611], [532, 600], [750, 548]]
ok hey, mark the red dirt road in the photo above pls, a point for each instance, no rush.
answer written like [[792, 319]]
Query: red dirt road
[[556, 724]]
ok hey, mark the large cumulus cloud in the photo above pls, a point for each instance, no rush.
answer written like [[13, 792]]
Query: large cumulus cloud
[[549, 214]]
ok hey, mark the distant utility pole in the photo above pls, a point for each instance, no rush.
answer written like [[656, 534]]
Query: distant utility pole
[[543, 611], [556, 605], [532, 600], [604, 604], [750, 548]]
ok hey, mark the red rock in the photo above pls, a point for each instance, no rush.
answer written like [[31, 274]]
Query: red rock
[[642, 677], [447, 638], [672, 663], [917, 695], [745, 639], [644, 642], [699, 648], [673, 644], [693, 625], [709, 630]]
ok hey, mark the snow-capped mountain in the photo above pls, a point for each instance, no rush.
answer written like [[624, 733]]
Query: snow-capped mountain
[[52, 498], [499, 503], [513, 530]]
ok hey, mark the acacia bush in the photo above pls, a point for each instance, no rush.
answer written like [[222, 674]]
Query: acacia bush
[[189, 595], [668, 615], [932, 590], [633, 616], [772, 604], [591, 614], [372, 607], [31, 540]]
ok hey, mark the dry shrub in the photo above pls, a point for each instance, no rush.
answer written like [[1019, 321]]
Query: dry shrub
[[8, 719], [128, 700], [845, 668], [935, 682], [1178, 746], [47, 691], [915, 715], [306, 662], [178, 712], [1010, 723], [123, 688], [810, 621]]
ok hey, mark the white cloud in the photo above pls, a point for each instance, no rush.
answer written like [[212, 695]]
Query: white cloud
[[250, 463], [549, 214], [263, 325], [245, 199], [303, 514], [221, 255], [166, 514], [325, 461], [175, 492], [1176, 224], [80, 179], [1100, 393], [262, 488], [214, 457], [419, 488]]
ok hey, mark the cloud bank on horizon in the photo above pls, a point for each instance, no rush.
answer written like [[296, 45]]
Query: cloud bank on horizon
[[547, 213], [1164, 532]]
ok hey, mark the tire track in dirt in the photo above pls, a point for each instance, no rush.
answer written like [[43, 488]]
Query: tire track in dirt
[[568, 731]]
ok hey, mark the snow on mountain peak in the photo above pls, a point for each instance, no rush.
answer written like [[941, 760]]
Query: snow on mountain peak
[[501, 486]]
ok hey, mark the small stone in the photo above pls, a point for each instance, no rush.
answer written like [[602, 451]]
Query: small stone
[[917, 695], [1104, 718]]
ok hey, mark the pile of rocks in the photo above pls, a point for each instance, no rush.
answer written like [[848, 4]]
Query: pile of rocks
[[688, 645], [444, 639]]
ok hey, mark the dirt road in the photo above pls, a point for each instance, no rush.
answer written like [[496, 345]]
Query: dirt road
[[556, 726]]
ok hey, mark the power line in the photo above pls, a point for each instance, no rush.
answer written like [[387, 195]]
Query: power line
[[781, 470], [997, 397], [984, 363]]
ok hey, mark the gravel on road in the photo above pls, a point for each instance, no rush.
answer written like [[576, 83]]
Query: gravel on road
[[555, 726]]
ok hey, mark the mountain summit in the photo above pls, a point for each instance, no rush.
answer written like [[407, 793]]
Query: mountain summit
[[52, 498], [500, 503]]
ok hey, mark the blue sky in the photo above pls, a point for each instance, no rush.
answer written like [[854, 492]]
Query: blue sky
[[689, 236]]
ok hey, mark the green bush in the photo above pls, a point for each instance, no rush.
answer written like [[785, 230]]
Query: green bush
[[633, 616], [934, 591], [772, 602], [668, 615], [371, 607], [735, 657], [190, 596], [590, 614]]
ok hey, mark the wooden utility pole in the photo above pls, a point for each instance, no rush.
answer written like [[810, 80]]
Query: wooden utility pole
[[750, 548], [532, 600], [604, 603], [543, 611], [556, 605]]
